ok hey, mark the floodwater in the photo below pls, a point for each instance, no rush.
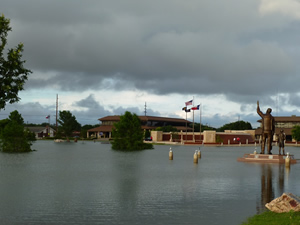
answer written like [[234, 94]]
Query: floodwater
[[88, 183]]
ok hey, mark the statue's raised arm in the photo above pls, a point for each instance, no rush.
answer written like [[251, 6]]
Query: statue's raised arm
[[258, 110]]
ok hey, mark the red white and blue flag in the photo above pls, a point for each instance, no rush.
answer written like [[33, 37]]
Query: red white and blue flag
[[195, 107], [47, 117], [189, 103]]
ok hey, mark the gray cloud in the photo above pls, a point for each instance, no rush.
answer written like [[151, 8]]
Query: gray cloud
[[32, 112], [163, 47]]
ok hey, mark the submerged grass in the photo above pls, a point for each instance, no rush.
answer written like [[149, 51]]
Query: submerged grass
[[272, 218]]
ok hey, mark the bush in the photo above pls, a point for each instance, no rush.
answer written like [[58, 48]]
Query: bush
[[128, 135], [14, 138]]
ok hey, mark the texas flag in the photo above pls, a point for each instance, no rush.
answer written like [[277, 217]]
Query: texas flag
[[195, 107], [189, 103], [47, 117]]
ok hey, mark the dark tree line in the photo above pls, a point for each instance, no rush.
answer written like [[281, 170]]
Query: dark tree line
[[238, 125]]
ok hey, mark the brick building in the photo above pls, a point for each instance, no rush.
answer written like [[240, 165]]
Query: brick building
[[147, 123]]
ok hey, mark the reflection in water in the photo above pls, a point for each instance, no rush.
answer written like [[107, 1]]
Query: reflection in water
[[127, 182], [267, 188], [88, 183], [287, 173], [281, 178]]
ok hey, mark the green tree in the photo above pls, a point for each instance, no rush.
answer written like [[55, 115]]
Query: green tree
[[147, 134], [167, 128], [203, 127], [3, 123], [12, 72], [296, 133], [238, 125], [68, 123], [128, 135], [14, 137]]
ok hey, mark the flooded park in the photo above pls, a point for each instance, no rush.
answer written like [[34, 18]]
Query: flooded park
[[88, 183]]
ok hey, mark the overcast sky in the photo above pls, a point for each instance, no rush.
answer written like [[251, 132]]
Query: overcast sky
[[103, 57]]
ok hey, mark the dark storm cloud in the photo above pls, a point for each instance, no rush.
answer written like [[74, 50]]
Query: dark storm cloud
[[163, 47], [32, 112]]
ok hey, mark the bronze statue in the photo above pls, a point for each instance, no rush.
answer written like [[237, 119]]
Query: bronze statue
[[281, 139], [268, 128]]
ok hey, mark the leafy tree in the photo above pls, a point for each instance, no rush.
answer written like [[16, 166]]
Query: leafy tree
[[167, 128], [68, 123], [238, 125], [14, 138], [17, 117], [3, 123], [12, 72], [127, 133], [147, 134], [296, 133], [203, 127]]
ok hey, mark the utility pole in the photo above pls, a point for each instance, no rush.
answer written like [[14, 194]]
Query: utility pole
[[56, 111]]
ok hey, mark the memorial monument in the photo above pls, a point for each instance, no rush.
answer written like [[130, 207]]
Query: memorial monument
[[268, 128]]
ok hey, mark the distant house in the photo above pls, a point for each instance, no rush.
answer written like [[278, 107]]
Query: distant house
[[147, 123], [41, 132]]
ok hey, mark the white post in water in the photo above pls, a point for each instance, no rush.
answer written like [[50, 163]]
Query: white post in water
[[195, 157], [199, 154], [171, 154], [287, 160]]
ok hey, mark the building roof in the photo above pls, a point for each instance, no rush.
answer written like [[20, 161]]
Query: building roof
[[38, 129], [146, 118], [110, 118], [108, 128], [103, 128]]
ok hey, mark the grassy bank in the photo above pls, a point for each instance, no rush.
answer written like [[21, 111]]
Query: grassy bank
[[271, 218]]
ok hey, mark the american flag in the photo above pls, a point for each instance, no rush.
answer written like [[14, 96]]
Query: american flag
[[189, 103]]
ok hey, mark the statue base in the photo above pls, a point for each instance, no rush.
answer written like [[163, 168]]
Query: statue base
[[262, 158]]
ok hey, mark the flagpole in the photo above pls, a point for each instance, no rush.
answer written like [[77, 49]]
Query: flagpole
[[56, 113], [185, 125], [186, 111], [200, 120], [193, 122]]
